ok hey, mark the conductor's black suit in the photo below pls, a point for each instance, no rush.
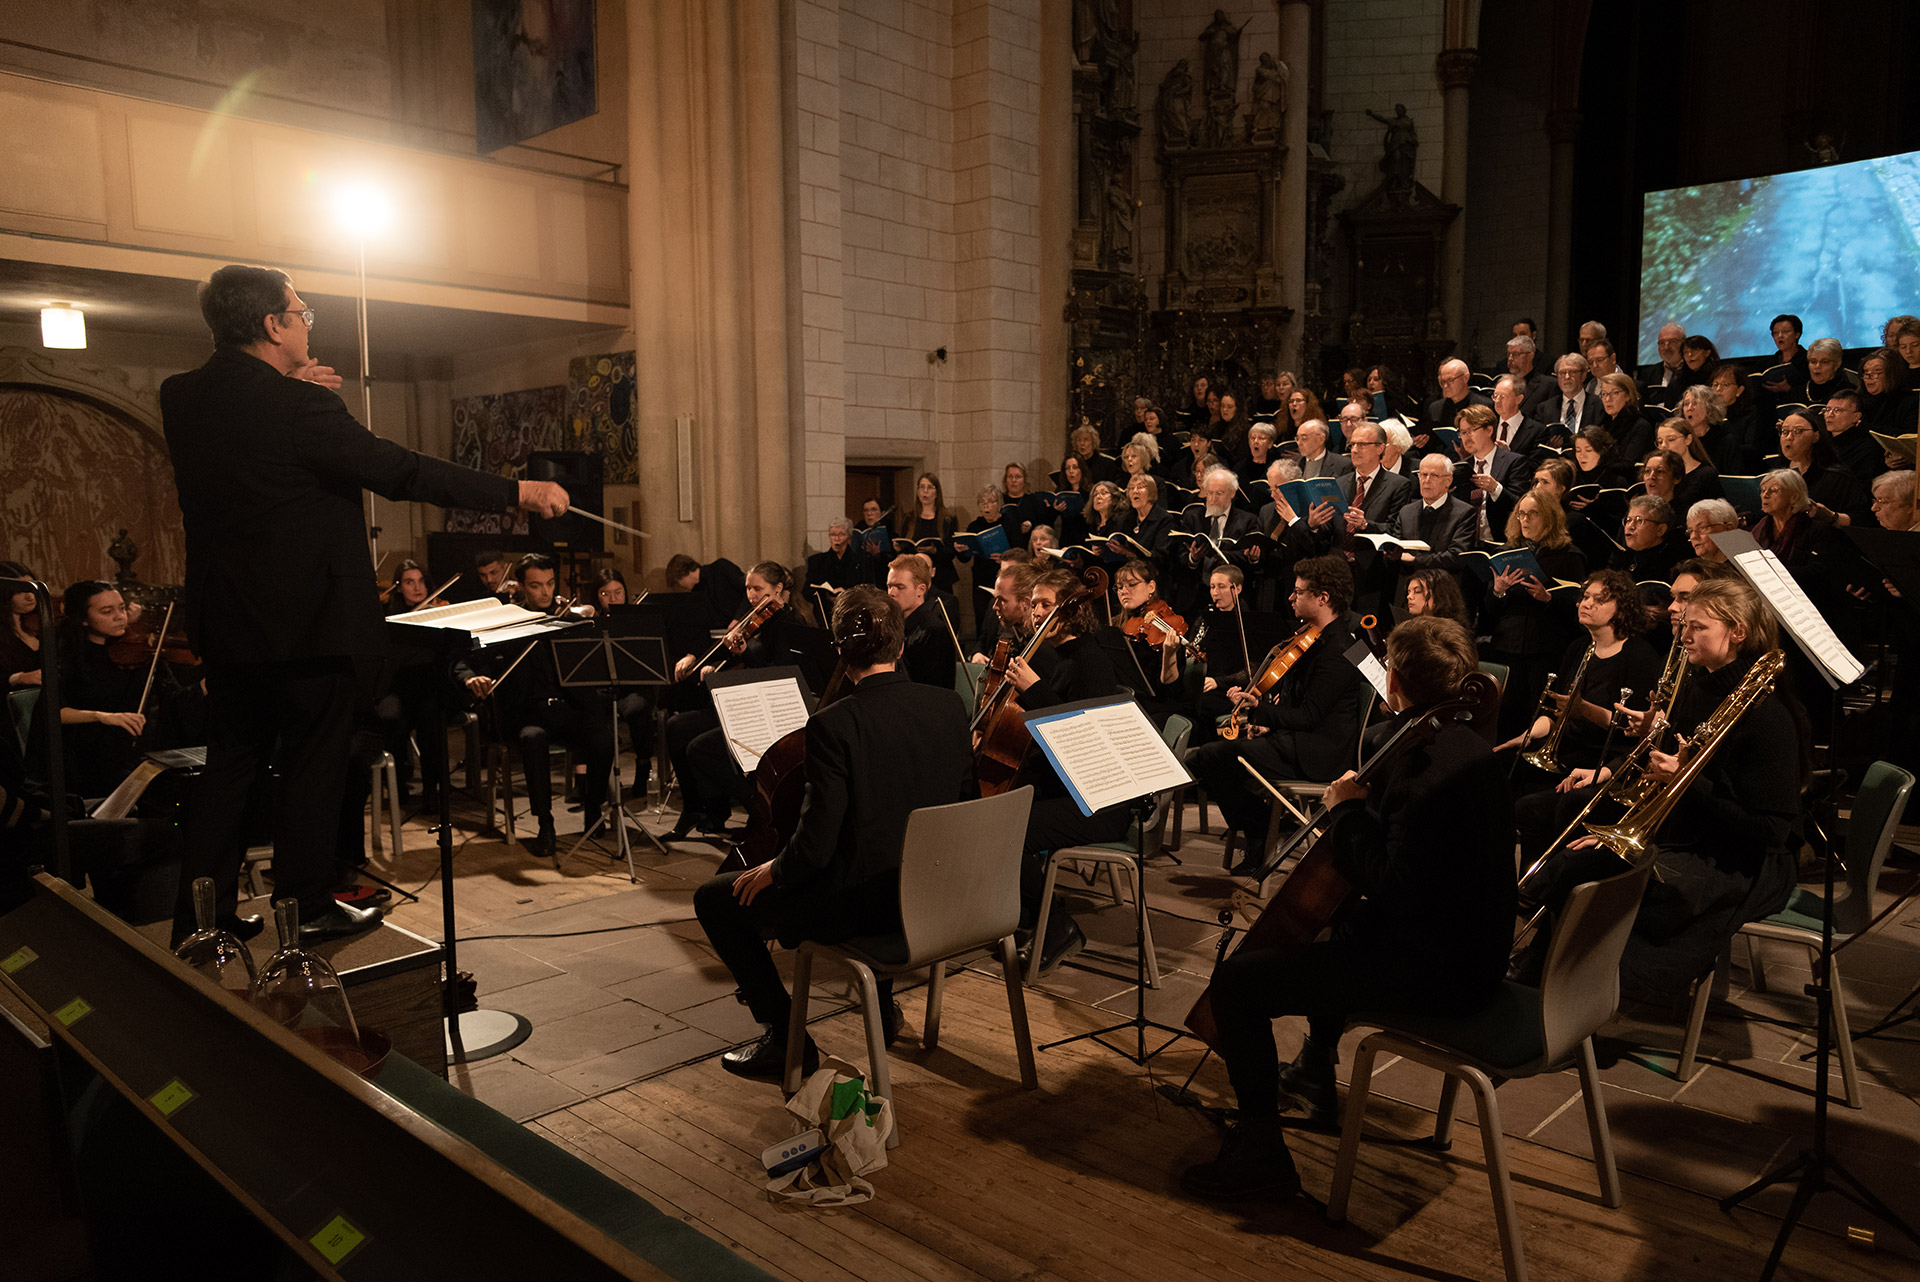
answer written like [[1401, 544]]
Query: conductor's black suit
[[280, 600]]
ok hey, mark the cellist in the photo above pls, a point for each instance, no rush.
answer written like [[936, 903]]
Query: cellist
[[1425, 928], [887, 749]]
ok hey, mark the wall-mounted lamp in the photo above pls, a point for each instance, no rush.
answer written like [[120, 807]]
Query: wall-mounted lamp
[[63, 325]]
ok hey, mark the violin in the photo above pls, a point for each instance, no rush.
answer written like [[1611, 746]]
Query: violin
[[1277, 664], [1156, 622], [1002, 741], [142, 646], [1306, 901], [743, 630]]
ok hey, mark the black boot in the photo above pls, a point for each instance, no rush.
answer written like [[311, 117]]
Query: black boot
[[1309, 1079], [765, 1060], [1254, 1162], [545, 842]]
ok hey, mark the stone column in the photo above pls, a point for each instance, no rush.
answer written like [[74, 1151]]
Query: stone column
[[1296, 50], [1563, 127], [714, 302], [1455, 69]]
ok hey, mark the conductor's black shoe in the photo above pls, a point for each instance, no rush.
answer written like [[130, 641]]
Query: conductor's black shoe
[[544, 841], [242, 928], [1254, 1162], [339, 921], [1064, 939], [683, 826], [765, 1060]]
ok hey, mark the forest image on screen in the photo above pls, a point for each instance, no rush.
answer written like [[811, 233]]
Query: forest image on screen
[[1838, 246]]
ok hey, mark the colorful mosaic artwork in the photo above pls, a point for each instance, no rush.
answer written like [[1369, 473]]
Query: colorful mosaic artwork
[[496, 433], [601, 413]]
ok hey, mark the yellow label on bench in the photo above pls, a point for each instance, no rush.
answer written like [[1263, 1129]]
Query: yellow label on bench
[[170, 1097], [18, 958], [73, 1012], [337, 1240]]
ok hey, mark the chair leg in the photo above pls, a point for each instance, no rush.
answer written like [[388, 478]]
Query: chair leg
[[1113, 885], [1017, 1011], [1756, 967], [1506, 1216], [393, 804], [1359, 1084], [797, 1021], [1449, 1105], [1842, 1035], [1200, 810], [1610, 1192], [1179, 809], [879, 1080], [373, 809], [1696, 1020], [936, 989], [1226, 848], [1040, 923]]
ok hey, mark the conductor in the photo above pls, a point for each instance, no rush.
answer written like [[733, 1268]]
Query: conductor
[[280, 598]]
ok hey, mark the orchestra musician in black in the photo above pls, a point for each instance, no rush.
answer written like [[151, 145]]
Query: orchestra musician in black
[[887, 749], [270, 467]]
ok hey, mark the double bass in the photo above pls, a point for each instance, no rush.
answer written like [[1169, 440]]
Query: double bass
[[1305, 903], [1001, 739]]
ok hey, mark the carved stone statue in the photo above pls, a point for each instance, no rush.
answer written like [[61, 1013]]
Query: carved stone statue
[[1269, 97], [123, 550], [1221, 66], [1173, 107], [1398, 146]]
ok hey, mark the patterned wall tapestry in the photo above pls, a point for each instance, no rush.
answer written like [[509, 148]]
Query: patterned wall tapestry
[[495, 433], [600, 407], [73, 473]]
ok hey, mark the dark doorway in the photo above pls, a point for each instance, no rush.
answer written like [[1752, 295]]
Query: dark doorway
[[863, 483]]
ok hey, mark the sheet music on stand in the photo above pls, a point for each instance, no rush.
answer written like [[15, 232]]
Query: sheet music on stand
[[757, 709], [1107, 751], [485, 622], [1777, 586]]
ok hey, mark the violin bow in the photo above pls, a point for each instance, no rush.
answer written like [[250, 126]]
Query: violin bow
[[965, 668], [153, 664], [511, 666], [435, 594]]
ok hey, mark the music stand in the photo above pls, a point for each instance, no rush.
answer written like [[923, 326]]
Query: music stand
[[616, 662], [450, 631], [1104, 751]]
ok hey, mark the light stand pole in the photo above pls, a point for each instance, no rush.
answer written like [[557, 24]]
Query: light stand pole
[[366, 391]]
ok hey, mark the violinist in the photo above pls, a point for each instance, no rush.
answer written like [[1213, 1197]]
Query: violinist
[[537, 711], [20, 638], [1425, 928], [420, 696], [710, 781], [636, 708], [492, 573], [929, 656], [1069, 666], [1307, 724], [99, 699], [1223, 645], [889, 748], [1137, 586]]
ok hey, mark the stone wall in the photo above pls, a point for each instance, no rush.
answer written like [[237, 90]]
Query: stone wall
[[1507, 180]]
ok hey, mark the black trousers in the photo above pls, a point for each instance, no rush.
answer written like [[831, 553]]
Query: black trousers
[[587, 731], [739, 932], [423, 705], [1326, 982], [710, 781], [1055, 823], [1244, 804], [306, 707]]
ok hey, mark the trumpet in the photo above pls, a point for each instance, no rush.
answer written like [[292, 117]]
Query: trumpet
[[1547, 756]]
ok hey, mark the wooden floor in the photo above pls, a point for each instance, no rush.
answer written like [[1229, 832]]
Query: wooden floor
[[1078, 1179]]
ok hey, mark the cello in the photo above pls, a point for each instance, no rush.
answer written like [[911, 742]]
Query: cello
[[1002, 742], [1305, 903]]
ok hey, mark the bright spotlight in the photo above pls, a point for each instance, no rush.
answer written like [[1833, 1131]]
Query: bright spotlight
[[63, 325], [362, 210]]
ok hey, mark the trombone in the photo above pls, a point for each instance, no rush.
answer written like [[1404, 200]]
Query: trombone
[[1547, 756]]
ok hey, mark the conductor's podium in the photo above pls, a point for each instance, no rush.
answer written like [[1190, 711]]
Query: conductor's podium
[[177, 1124]]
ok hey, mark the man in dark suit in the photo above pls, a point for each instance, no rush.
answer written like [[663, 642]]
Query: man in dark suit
[[1512, 428], [1315, 458], [1523, 366], [280, 597], [1426, 928], [1491, 477], [1456, 393], [1310, 719], [1444, 523], [884, 751], [1574, 405], [1192, 560], [929, 656], [1373, 494], [1662, 382]]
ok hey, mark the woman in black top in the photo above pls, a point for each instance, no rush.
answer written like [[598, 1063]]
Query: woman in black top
[[983, 570], [1834, 494], [1020, 508], [100, 724], [1632, 434], [1195, 412], [931, 520], [20, 636], [1887, 402], [1528, 626], [1597, 461], [1696, 478], [1145, 521], [1613, 614], [1230, 433], [1075, 485]]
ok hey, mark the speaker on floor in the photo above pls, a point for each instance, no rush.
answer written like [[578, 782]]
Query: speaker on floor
[[578, 473]]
